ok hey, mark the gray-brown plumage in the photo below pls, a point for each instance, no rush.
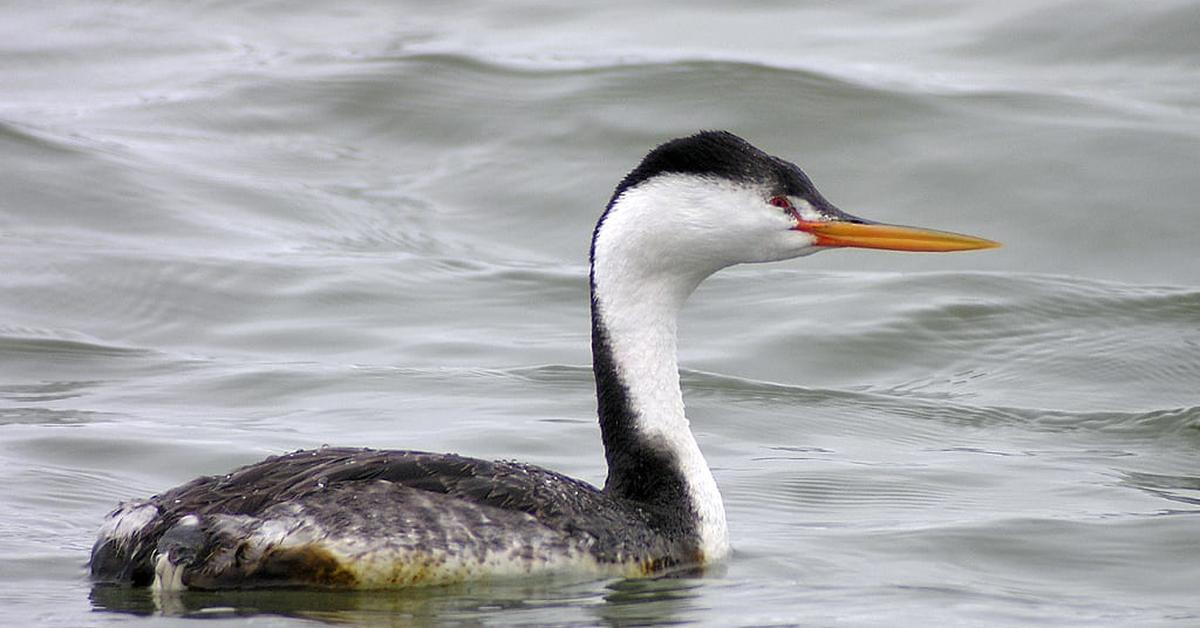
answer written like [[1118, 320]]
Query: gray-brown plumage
[[395, 499]]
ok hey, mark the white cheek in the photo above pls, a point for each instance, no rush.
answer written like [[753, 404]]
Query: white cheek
[[806, 211], [694, 226]]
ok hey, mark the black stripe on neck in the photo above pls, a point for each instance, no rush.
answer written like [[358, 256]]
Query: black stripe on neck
[[637, 470]]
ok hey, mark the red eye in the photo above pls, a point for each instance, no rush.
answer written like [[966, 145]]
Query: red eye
[[781, 202]]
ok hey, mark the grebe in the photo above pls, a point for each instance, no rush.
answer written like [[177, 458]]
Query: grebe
[[362, 518]]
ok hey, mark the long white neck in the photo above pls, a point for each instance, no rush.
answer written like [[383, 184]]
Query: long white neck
[[636, 299]]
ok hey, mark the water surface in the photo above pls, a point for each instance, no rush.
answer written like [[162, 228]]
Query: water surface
[[233, 230]]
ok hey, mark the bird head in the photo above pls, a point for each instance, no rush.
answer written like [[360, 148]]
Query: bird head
[[712, 200]]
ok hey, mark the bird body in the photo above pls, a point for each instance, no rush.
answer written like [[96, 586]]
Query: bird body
[[361, 518]]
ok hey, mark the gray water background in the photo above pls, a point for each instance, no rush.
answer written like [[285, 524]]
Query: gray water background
[[233, 229]]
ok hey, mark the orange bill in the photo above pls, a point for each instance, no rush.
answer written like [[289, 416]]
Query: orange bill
[[890, 237]]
